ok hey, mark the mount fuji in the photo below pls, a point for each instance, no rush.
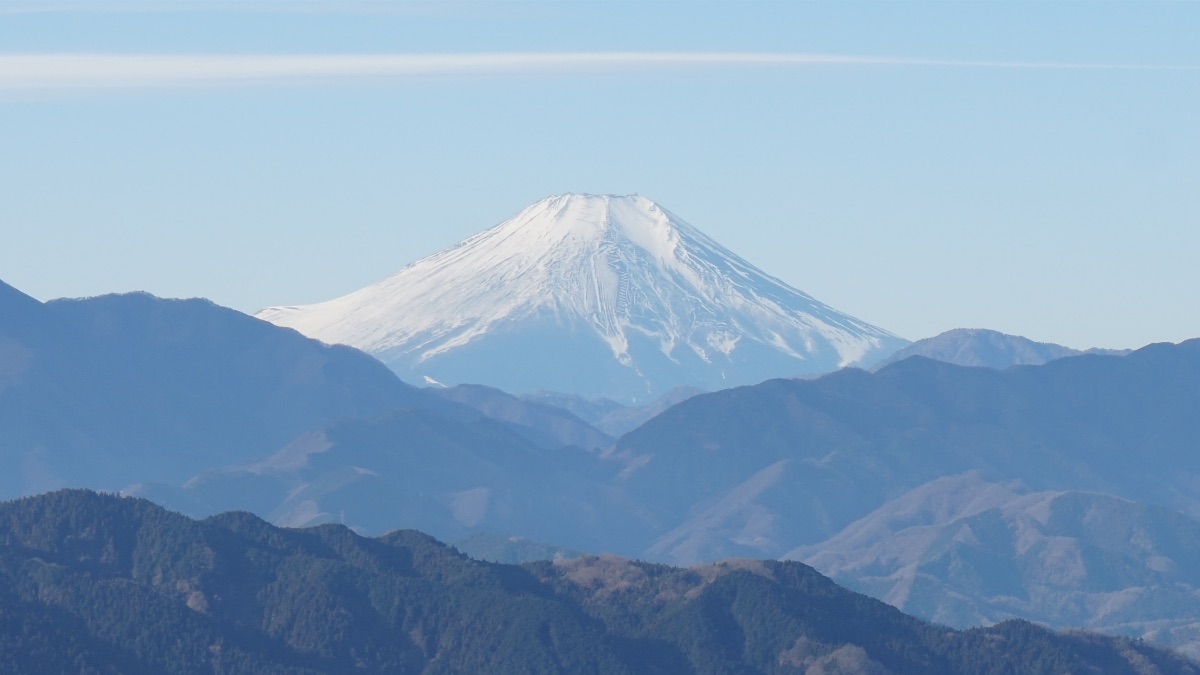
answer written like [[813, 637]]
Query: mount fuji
[[597, 295]]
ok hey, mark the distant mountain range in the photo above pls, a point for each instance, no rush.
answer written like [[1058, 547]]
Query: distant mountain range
[[207, 410], [987, 349], [962, 552], [730, 467], [548, 425], [113, 390], [594, 295], [608, 415], [789, 467], [101, 584]]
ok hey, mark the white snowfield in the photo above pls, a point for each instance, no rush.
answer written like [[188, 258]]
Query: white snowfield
[[619, 269]]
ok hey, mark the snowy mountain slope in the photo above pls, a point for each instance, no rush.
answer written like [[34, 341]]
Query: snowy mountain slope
[[595, 295]]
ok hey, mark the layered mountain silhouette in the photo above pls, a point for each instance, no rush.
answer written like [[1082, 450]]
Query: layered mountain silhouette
[[547, 425], [608, 415], [100, 584], [209, 410], [449, 474], [962, 551], [988, 349], [117, 389], [791, 465], [838, 446], [594, 295]]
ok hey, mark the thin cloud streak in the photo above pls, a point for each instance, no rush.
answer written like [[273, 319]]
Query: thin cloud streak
[[97, 71]]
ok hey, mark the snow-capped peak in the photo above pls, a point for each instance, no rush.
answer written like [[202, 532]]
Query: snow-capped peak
[[618, 268]]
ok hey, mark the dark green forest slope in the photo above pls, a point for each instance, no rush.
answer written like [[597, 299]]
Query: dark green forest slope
[[94, 583]]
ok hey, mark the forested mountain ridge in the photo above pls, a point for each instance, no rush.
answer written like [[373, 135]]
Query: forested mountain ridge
[[95, 583]]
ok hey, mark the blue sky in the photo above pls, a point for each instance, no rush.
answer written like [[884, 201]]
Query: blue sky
[[1030, 167]]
